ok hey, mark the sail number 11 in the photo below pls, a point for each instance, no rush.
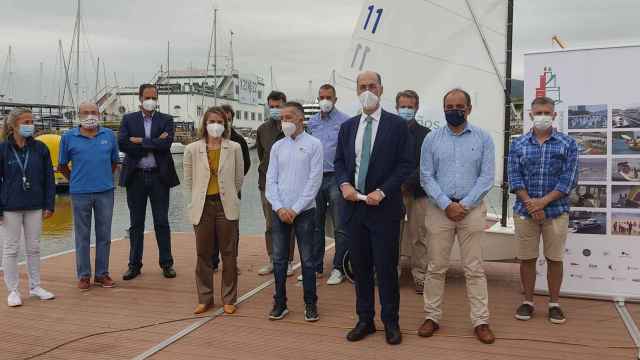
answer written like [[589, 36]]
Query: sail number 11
[[372, 10]]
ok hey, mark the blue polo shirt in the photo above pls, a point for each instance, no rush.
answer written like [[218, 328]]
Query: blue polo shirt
[[91, 160]]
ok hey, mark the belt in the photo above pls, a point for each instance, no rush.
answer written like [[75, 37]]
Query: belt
[[455, 200], [148, 170], [214, 197], [329, 173]]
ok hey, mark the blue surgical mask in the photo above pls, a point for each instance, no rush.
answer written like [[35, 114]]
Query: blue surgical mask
[[26, 130], [455, 118], [407, 113], [276, 113]]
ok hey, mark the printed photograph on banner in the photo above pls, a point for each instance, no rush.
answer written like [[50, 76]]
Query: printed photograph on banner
[[625, 116], [588, 117], [626, 143], [591, 143], [625, 197], [624, 169], [587, 222], [626, 224], [589, 196], [592, 169]]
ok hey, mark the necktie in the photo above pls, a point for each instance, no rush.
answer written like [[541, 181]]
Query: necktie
[[365, 155]]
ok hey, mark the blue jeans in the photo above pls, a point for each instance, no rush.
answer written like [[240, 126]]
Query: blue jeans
[[101, 206], [303, 227], [329, 198]]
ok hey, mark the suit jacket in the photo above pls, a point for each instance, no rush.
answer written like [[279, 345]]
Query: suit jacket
[[392, 161], [417, 133], [197, 174], [133, 126]]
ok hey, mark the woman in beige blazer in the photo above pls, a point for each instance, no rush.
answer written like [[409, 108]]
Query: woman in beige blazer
[[213, 175]]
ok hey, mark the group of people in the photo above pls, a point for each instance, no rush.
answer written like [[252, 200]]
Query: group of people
[[394, 190]]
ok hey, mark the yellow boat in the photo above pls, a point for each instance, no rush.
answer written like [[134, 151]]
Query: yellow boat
[[53, 143]]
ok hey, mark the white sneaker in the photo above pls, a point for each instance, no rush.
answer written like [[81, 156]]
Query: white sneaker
[[14, 299], [267, 269], [335, 278], [41, 293], [300, 277], [290, 269]]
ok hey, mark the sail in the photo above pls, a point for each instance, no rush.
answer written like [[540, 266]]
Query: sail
[[432, 46]]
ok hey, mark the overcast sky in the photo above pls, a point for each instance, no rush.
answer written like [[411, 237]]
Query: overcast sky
[[302, 39]]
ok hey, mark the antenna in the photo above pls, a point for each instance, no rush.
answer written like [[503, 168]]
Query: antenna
[[97, 79], [215, 56], [167, 78], [231, 33], [78, 19]]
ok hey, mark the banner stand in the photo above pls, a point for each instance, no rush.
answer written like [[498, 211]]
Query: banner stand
[[631, 326]]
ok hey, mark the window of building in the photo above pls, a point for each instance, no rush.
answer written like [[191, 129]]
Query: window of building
[[238, 114], [253, 116], [259, 117], [199, 111], [246, 115]]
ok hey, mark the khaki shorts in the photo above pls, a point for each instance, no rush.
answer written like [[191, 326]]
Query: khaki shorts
[[554, 236]]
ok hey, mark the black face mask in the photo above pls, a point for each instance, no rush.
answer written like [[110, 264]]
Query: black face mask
[[455, 118]]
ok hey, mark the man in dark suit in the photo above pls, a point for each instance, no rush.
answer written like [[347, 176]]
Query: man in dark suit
[[148, 172], [374, 157]]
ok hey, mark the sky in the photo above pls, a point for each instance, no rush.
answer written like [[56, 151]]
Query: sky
[[302, 40]]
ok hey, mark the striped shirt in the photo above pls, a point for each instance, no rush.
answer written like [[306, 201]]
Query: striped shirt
[[543, 168]]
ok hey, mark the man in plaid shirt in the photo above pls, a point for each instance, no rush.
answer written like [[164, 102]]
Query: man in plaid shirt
[[543, 170]]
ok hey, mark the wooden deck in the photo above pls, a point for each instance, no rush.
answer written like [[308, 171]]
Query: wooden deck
[[593, 329]]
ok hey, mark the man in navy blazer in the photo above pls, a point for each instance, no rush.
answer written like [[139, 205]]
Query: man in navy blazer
[[148, 172], [373, 159]]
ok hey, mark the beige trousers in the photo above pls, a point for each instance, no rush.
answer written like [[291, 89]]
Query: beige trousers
[[413, 241], [442, 234]]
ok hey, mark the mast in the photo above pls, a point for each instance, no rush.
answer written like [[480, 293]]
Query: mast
[[97, 79], [167, 78], [78, 53], [231, 50], [507, 115], [40, 82], [215, 57], [206, 70]]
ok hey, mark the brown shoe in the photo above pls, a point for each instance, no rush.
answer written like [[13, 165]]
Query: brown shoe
[[484, 334], [428, 328], [84, 284], [229, 309], [202, 308], [104, 281]]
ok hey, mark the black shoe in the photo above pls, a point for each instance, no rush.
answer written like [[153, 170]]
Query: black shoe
[[556, 316], [311, 313], [393, 334], [361, 331], [131, 273], [168, 272], [278, 312], [524, 312]]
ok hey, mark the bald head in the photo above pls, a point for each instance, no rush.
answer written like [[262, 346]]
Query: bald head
[[88, 108], [369, 81]]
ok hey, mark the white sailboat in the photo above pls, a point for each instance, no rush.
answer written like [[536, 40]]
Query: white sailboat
[[432, 46]]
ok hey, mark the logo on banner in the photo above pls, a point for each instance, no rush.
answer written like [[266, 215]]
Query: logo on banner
[[625, 254], [632, 268], [593, 266], [574, 264], [586, 252], [575, 276], [596, 278], [548, 85]]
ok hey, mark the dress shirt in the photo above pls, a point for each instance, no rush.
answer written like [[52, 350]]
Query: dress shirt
[[326, 128], [148, 161], [294, 176], [360, 135], [457, 166]]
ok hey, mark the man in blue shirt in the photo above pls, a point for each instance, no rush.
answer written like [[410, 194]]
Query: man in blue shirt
[[543, 170], [93, 153], [457, 169], [325, 126], [293, 179]]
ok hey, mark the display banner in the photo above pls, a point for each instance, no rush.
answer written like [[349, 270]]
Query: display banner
[[598, 104]]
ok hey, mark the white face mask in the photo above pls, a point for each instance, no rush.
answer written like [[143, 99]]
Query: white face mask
[[89, 122], [369, 100], [149, 105], [215, 130], [326, 105], [288, 128], [542, 122]]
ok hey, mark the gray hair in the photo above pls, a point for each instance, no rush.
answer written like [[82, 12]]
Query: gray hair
[[87, 103], [543, 100], [10, 121]]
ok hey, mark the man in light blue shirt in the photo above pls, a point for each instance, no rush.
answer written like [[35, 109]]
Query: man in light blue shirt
[[325, 126], [457, 169], [294, 177]]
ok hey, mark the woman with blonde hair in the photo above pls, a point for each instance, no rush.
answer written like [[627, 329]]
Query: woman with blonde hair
[[27, 195], [213, 175]]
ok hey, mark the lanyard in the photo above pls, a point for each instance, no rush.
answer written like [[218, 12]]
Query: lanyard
[[23, 166]]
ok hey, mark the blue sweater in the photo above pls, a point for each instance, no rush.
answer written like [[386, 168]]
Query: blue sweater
[[39, 173]]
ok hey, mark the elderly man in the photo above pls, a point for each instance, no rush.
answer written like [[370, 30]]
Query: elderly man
[[93, 152], [457, 168], [293, 180], [413, 245], [543, 170], [325, 126], [373, 159]]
